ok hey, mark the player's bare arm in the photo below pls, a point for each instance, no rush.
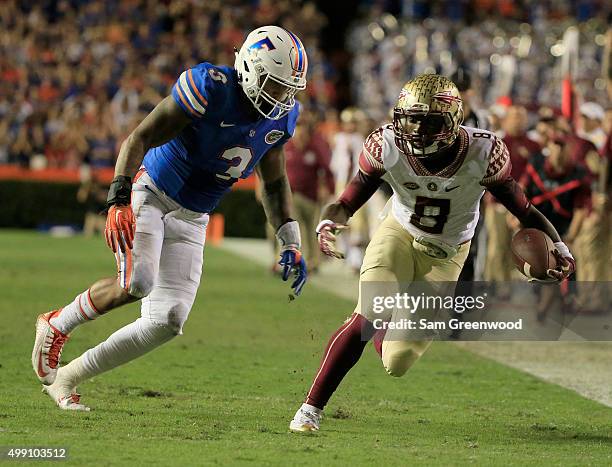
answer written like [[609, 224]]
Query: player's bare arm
[[276, 200], [164, 122], [275, 193]]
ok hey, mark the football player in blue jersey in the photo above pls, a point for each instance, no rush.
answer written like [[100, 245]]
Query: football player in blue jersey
[[218, 125]]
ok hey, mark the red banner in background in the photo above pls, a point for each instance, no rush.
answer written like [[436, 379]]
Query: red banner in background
[[568, 100], [13, 172]]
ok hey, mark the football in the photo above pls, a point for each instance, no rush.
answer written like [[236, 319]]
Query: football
[[532, 252]]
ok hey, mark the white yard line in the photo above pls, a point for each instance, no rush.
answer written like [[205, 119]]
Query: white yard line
[[583, 367]]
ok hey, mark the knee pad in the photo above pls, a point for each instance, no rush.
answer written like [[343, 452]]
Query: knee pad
[[177, 315], [399, 356]]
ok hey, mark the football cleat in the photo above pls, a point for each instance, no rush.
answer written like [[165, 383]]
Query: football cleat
[[65, 397], [306, 420], [48, 346]]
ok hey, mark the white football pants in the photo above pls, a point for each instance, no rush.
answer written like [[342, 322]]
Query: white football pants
[[165, 265], [163, 268]]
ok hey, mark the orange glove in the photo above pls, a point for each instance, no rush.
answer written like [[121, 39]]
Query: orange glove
[[120, 228]]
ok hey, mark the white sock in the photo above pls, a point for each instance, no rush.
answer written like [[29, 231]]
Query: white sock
[[124, 345], [311, 408], [75, 313]]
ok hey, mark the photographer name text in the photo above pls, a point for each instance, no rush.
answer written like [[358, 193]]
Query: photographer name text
[[453, 324]]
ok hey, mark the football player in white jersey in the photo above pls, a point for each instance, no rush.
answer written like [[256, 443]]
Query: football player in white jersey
[[439, 171]]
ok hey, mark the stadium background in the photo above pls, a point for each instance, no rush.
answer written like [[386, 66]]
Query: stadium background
[[77, 76]]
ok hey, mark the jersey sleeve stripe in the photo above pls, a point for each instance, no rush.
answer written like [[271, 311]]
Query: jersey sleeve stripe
[[499, 164], [195, 88], [369, 163], [184, 101], [193, 102]]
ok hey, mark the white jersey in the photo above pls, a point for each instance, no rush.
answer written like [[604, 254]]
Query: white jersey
[[442, 205]]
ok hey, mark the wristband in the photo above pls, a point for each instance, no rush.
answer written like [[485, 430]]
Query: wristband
[[120, 191], [563, 249], [322, 224], [288, 235]]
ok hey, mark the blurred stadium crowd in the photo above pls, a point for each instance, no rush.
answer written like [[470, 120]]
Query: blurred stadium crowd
[[77, 76], [509, 48]]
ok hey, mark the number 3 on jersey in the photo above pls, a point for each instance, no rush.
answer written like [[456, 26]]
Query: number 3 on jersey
[[430, 214], [238, 158]]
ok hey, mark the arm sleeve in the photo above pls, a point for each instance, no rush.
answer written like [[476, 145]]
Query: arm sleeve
[[359, 190], [368, 179], [192, 91], [511, 195]]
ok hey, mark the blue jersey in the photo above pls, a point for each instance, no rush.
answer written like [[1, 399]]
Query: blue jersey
[[224, 142]]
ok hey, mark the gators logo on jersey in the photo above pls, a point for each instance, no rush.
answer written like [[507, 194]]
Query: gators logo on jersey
[[273, 136]]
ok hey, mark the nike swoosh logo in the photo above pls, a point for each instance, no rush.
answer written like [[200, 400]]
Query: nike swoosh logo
[[225, 125], [451, 189]]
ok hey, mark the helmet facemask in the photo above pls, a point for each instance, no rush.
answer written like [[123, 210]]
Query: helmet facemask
[[421, 133], [274, 97]]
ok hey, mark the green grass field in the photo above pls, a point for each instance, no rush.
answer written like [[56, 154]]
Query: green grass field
[[224, 392]]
